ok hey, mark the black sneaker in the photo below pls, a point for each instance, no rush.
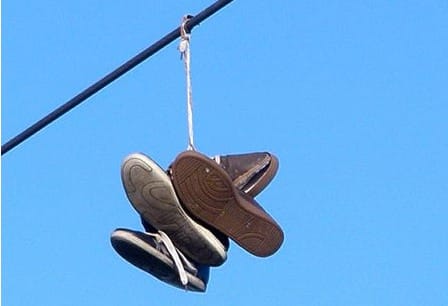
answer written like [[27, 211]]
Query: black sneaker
[[156, 254]]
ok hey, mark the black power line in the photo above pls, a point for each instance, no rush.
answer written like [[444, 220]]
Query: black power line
[[88, 92]]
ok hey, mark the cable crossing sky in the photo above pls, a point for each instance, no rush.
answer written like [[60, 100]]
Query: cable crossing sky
[[112, 76]]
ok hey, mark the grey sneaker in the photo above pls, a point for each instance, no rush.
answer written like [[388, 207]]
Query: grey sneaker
[[150, 191], [156, 254]]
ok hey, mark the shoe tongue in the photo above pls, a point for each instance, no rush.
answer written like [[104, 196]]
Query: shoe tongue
[[245, 170]]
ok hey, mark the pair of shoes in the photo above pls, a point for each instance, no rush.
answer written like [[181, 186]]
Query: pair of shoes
[[209, 194], [151, 193]]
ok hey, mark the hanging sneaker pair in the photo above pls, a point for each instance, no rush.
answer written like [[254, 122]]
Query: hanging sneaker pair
[[150, 191]]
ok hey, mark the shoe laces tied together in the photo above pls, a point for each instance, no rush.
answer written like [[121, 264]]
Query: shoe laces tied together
[[184, 48]]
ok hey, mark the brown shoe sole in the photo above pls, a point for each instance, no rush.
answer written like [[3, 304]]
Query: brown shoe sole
[[207, 191]]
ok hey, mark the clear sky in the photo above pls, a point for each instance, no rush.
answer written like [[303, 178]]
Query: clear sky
[[350, 95]]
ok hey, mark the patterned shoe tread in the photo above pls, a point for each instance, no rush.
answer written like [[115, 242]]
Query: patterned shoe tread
[[207, 191], [150, 192]]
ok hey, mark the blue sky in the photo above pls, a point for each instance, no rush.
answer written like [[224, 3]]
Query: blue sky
[[351, 97]]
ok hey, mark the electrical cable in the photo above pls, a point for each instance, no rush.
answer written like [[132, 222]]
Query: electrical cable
[[109, 78]]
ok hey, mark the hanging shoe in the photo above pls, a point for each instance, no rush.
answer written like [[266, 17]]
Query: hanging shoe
[[150, 191], [207, 191], [156, 254], [250, 172]]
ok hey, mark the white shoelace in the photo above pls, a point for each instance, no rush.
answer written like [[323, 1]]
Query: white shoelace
[[176, 255], [217, 159], [184, 48]]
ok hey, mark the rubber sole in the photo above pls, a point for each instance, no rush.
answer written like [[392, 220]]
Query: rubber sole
[[208, 193], [150, 191]]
